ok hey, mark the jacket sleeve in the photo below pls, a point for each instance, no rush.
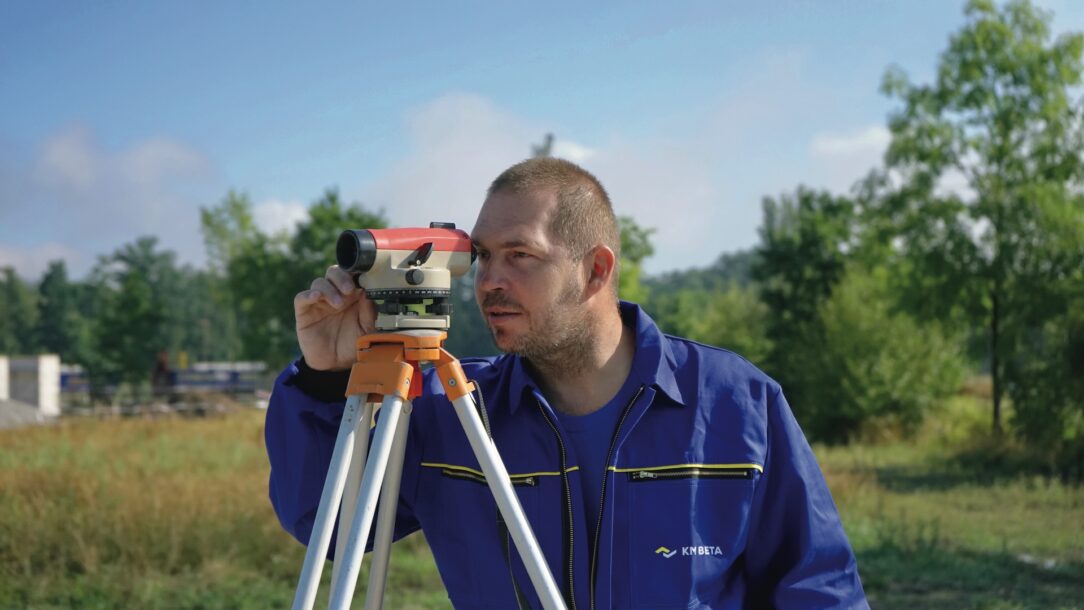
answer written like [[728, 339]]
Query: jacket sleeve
[[299, 433], [798, 555]]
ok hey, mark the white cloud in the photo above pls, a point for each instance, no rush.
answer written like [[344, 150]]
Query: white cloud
[[93, 199], [572, 151], [66, 160], [31, 262], [955, 182], [461, 142], [275, 216], [872, 140], [838, 160], [669, 190]]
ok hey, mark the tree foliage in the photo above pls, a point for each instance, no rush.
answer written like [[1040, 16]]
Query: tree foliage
[[872, 364], [61, 326], [18, 314], [131, 327], [257, 275], [999, 120], [635, 247], [803, 253], [733, 318]]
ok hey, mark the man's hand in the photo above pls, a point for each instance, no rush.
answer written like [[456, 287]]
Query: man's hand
[[330, 317]]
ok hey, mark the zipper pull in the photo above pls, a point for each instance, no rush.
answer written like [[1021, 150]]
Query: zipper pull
[[643, 474]]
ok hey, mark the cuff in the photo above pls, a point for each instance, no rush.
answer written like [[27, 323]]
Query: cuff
[[325, 386]]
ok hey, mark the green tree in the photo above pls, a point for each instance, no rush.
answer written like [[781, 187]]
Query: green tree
[[872, 363], [730, 268], [197, 325], [1000, 117], [61, 327], [733, 317], [228, 229], [131, 327], [18, 314], [1047, 375], [635, 247], [805, 243], [468, 335], [259, 274]]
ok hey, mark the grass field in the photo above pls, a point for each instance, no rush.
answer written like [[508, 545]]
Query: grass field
[[173, 513]]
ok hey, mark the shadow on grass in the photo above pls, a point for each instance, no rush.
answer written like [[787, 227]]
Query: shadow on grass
[[940, 477], [932, 577], [982, 466]]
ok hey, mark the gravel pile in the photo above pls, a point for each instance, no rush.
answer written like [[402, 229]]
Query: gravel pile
[[14, 414]]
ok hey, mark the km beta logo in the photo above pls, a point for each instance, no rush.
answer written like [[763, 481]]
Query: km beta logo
[[689, 550]]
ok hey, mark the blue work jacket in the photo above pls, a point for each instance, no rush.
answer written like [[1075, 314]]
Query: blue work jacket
[[712, 497]]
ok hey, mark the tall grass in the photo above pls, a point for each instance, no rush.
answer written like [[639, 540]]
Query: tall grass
[[941, 521], [173, 513], [162, 513]]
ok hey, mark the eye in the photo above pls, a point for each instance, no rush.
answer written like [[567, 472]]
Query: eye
[[519, 254], [482, 254]]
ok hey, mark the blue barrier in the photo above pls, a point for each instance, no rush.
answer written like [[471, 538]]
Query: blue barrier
[[179, 381]]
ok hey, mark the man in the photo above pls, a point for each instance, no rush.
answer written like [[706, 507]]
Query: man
[[655, 472]]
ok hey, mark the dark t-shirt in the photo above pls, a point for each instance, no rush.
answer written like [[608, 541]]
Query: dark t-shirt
[[591, 436]]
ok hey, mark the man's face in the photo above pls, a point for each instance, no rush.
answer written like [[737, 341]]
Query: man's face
[[528, 288]]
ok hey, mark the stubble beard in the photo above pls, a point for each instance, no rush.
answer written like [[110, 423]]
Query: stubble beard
[[560, 339]]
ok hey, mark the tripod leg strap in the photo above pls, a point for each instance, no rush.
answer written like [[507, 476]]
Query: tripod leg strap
[[503, 534]]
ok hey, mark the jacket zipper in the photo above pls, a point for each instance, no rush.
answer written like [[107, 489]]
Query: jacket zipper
[[694, 472], [571, 595], [602, 501], [517, 480]]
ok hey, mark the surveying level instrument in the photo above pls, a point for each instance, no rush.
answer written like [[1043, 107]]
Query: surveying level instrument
[[407, 272]]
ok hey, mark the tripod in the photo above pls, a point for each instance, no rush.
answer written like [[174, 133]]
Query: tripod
[[388, 366]]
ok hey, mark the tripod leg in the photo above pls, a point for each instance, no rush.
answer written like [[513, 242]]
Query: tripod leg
[[500, 485], [342, 590], [385, 520], [353, 481], [320, 537]]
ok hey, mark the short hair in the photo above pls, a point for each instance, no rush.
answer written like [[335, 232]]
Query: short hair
[[583, 217]]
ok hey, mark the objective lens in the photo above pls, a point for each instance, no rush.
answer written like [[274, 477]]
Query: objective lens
[[356, 251]]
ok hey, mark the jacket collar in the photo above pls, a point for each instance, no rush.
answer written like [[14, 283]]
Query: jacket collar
[[653, 362]]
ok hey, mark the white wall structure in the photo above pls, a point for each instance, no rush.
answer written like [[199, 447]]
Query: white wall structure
[[5, 387], [35, 380]]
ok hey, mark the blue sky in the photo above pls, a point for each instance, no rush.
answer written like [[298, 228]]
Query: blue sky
[[122, 119]]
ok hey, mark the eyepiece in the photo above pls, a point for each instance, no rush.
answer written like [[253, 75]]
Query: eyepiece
[[356, 251]]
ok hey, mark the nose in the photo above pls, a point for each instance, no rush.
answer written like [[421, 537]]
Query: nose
[[488, 276]]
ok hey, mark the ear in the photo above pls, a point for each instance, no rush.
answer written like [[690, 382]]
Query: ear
[[600, 265]]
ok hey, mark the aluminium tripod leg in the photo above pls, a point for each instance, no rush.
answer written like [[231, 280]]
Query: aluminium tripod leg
[[353, 482], [500, 485], [320, 537], [342, 590], [385, 519]]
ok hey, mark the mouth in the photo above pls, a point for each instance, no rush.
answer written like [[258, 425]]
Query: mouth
[[500, 314]]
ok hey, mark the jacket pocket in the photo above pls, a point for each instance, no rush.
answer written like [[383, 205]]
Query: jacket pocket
[[469, 474], [467, 541], [687, 525]]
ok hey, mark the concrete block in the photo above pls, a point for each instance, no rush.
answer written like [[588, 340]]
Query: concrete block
[[5, 383], [35, 380]]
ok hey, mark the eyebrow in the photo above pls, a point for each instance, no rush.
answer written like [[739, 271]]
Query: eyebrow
[[512, 243]]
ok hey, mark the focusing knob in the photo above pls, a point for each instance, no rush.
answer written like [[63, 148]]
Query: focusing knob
[[415, 277]]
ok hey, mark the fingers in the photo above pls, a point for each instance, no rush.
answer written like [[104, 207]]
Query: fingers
[[340, 279], [336, 288], [324, 290]]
